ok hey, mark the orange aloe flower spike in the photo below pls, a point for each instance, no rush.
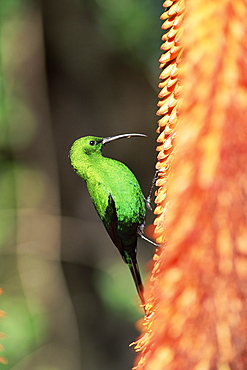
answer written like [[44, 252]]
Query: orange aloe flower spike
[[168, 110], [197, 316]]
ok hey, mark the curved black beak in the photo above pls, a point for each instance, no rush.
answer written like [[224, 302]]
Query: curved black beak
[[122, 136]]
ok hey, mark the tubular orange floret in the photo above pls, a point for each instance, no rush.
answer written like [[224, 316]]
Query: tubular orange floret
[[169, 95], [168, 110], [198, 283]]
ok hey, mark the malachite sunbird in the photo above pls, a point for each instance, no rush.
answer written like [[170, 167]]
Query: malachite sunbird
[[116, 195]]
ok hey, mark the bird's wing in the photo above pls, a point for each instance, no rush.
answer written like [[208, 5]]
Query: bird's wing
[[110, 223]]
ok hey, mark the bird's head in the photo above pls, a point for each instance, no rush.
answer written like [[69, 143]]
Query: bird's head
[[83, 149], [90, 146]]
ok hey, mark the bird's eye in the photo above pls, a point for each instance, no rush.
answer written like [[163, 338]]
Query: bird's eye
[[92, 142]]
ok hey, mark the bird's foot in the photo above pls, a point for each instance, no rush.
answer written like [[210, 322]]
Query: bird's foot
[[148, 200], [140, 232]]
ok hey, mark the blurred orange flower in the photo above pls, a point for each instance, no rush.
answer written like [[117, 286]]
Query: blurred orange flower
[[196, 311], [2, 335]]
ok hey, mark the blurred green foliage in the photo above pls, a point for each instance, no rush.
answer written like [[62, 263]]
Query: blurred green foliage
[[52, 88], [111, 285], [23, 329], [132, 26]]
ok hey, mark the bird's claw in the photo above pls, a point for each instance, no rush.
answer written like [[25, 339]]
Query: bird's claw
[[140, 232]]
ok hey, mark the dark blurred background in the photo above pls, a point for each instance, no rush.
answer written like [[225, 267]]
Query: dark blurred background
[[70, 68]]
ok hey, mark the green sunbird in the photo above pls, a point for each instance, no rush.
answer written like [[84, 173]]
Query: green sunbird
[[116, 195]]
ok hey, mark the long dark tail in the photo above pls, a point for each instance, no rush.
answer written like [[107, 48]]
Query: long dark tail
[[134, 269]]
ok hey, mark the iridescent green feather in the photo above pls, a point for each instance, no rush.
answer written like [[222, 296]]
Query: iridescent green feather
[[116, 195]]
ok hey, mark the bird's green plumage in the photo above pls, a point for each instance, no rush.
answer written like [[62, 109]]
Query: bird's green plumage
[[106, 176], [116, 195]]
